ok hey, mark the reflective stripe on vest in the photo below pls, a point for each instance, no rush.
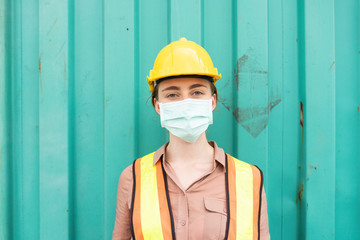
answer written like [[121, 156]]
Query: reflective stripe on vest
[[150, 207], [151, 215], [244, 187]]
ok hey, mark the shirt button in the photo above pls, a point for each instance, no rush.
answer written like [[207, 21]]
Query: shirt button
[[182, 222]]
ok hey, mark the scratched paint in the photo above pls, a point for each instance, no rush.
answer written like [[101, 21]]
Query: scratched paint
[[254, 104]]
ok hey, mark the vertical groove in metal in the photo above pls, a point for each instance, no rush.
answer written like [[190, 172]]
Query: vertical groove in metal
[[30, 114], [21, 118], [104, 157], [268, 97], [300, 200], [290, 121], [137, 15], [320, 110], [71, 121], [168, 17], [332, 228], [266, 141], [347, 114], [5, 123], [16, 118], [53, 119], [89, 115], [12, 158], [202, 23], [276, 100], [234, 62], [282, 117]]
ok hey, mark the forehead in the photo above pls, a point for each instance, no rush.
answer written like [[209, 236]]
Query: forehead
[[183, 82]]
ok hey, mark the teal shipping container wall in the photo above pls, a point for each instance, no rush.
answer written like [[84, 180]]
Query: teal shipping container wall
[[75, 112]]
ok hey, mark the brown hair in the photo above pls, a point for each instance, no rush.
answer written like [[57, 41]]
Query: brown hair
[[155, 93]]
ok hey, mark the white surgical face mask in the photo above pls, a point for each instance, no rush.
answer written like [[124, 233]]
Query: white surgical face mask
[[186, 119]]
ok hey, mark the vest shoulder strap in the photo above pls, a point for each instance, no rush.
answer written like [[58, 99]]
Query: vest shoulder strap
[[150, 208]]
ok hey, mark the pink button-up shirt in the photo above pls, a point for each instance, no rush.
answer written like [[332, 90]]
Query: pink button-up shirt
[[199, 212]]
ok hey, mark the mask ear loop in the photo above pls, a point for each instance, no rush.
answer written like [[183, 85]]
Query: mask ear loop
[[212, 110], [212, 101]]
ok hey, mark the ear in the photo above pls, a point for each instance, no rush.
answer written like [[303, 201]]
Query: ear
[[156, 105], [214, 102]]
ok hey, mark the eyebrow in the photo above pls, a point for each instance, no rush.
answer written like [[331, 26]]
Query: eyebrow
[[177, 88], [197, 85], [171, 88]]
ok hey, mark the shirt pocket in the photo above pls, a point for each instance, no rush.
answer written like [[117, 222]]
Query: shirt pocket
[[215, 218]]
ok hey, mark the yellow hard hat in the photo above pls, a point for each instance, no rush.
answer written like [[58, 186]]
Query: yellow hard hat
[[180, 58]]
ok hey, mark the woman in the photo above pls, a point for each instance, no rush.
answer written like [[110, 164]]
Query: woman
[[189, 188]]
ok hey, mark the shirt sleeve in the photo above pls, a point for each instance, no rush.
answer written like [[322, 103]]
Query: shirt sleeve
[[123, 201], [264, 222]]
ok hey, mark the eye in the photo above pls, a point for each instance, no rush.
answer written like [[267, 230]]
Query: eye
[[171, 95], [197, 93]]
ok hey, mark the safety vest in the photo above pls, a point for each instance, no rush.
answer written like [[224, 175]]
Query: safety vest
[[151, 214]]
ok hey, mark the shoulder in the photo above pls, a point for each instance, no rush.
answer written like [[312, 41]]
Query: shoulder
[[126, 175], [236, 160], [125, 185], [241, 164]]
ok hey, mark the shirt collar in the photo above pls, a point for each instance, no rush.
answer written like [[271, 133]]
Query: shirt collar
[[219, 153]]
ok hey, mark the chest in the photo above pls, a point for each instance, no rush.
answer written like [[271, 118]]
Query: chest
[[200, 211], [186, 175]]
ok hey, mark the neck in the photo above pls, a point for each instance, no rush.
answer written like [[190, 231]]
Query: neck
[[180, 151]]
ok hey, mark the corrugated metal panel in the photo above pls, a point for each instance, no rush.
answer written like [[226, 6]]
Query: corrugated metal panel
[[75, 109]]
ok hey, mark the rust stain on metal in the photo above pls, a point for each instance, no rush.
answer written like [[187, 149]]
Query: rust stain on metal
[[300, 193], [301, 114], [302, 121], [274, 103], [39, 65], [333, 63], [312, 167], [309, 172], [358, 108]]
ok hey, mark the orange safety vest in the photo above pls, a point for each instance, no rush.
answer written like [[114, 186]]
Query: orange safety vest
[[151, 214]]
